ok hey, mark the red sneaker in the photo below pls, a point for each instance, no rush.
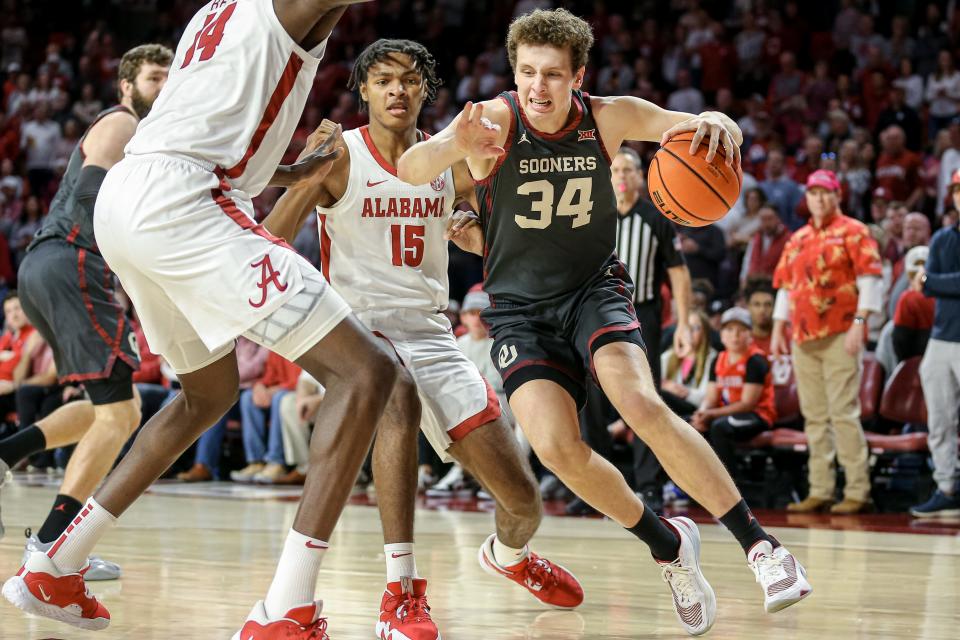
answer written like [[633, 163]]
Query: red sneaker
[[404, 612], [549, 583], [300, 623], [39, 588]]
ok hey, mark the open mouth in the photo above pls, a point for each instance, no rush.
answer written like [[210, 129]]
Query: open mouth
[[398, 109], [540, 105]]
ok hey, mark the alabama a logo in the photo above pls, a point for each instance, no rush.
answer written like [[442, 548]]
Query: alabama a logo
[[268, 275]]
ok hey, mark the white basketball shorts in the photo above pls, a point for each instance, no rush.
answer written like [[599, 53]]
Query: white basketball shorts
[[455, 398], [199, 271]]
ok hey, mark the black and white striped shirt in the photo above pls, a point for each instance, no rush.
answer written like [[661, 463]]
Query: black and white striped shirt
[[647, 242]]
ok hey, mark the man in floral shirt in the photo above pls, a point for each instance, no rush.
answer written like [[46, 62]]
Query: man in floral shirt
[[829, 282]]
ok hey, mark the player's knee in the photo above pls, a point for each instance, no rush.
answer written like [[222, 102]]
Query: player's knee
[[562, 454], [641, 408], [118, 418], [404, 400], [206, 406]]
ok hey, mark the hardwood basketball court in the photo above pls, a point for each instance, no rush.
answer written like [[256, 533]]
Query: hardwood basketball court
[[196, 557]]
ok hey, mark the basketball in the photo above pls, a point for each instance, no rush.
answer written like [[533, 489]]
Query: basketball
[[688, 189]]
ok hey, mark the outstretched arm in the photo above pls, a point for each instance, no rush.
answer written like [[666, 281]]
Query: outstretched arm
[[310, 22], [324, 148], [471, 136], [629, 118]]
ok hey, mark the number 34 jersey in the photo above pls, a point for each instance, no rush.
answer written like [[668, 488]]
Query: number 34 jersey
[[548, 208], [381, 244], [237, 87]]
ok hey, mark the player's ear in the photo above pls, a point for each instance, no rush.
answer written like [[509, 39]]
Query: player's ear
[[126, 87], [362, 88], [578, 77]]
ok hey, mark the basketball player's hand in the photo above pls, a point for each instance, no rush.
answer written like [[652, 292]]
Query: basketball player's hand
[[324, 147], [464, 229], [711, 124], [682, 340], [475, 136]]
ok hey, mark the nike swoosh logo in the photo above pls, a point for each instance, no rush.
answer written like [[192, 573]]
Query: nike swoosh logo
[[310, 545], [43, 593], [370, 183], [399, 555], [736, 422]]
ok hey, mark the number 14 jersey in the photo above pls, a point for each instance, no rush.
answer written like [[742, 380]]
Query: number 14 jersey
[[237, 87], [548, 209], [381, 244]]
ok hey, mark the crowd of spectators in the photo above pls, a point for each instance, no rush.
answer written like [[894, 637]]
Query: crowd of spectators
[[868, 90]]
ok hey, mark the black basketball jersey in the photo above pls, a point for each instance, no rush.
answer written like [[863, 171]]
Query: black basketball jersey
[[66, 218], [548, 209]]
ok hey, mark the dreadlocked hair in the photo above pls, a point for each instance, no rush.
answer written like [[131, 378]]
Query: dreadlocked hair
[[383, 49]]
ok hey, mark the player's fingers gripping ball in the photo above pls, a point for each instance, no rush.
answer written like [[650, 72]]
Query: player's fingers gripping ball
[[688, 189]]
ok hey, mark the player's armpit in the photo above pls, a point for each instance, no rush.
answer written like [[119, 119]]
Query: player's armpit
[[104, 143]]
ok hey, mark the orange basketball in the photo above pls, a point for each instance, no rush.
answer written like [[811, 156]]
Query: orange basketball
[[688, 189]]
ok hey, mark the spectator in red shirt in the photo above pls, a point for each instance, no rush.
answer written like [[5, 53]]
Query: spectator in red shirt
[[760, 296], [739, 402], [766, 245], [264, 452], [12, 343], [898, 169], [913, 318]]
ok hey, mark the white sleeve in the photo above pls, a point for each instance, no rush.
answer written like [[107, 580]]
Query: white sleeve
[[781, 307], [871, 293]]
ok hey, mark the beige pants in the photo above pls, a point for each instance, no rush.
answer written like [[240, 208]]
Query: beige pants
[[296, 434], [828, 382]]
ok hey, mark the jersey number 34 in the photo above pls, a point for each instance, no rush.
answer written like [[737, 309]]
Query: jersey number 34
[[574, 202]]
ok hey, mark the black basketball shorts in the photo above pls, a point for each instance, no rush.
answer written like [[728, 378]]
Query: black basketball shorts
[[556, 339], [67, 293]]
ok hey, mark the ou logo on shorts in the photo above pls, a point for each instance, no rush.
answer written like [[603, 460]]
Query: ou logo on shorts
[[508, 353]]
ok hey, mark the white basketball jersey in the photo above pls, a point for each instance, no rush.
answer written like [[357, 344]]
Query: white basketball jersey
[[381, 245], [237, 88]]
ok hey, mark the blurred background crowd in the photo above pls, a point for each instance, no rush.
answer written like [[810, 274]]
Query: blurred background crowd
[[869, 90]]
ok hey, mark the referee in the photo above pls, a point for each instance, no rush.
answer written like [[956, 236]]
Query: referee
[[648, 244]]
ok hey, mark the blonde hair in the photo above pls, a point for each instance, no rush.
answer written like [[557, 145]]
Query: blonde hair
[[558, 28], [703, 351]]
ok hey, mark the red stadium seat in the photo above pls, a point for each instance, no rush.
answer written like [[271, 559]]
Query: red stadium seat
[[789, 439], [871, 387], [787, 401], [903, 396], [899, 443]]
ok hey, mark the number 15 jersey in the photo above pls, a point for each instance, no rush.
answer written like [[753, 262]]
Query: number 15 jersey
[[548, 209], [381, 244]]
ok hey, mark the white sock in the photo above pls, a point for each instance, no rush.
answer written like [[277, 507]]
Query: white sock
[[295, 582], [401, 562], [508, 556], [70, 551]]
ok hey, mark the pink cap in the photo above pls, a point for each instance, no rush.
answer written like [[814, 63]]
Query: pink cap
[[825, 179]]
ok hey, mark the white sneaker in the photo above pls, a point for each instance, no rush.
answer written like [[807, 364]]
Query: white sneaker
[[693, 597], [98, 569], [452, 485], [425, 479], [246, 474], [783, 578], [270, 474]]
